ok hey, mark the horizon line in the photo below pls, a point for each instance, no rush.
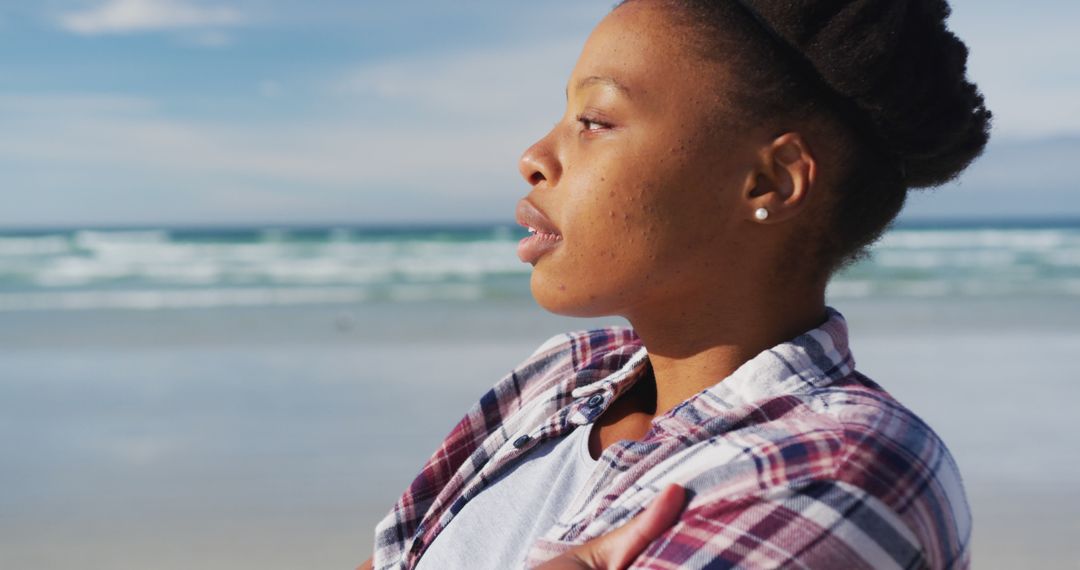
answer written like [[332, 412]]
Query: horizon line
[[1018, 222]]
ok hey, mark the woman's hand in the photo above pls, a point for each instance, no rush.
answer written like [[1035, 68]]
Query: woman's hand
[[618, 549]]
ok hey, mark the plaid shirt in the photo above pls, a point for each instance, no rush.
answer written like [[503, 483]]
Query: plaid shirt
[[794, 460]]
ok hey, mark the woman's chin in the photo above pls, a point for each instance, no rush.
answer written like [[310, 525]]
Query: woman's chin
[[564, 298]]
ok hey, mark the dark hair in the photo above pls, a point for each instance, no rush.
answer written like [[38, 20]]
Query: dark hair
[[886, 77]]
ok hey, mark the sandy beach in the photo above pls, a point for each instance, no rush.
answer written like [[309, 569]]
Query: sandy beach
[[275, 437]]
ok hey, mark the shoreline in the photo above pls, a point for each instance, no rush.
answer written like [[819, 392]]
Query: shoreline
[[471, 321]]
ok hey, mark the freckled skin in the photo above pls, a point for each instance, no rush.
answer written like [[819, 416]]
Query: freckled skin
[[676, 187], [655, 207]]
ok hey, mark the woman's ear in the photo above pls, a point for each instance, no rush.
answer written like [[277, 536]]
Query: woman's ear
[[786, 177]]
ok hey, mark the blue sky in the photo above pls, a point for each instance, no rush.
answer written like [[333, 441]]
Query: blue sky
[[144, 112]]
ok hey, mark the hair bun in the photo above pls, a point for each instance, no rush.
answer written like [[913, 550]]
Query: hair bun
[[900, 66]]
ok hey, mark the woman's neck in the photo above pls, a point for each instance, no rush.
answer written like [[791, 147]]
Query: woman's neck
[[691, 350]]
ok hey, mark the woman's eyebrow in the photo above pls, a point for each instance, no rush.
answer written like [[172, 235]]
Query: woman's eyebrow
[[602, 79]]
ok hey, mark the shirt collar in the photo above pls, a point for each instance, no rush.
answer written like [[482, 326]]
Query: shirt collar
[[809, 361]]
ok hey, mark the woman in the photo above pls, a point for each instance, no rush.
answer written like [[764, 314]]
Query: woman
[[718, 162]]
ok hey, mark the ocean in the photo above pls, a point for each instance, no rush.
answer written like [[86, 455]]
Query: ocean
[[232, 398], [155, 268]]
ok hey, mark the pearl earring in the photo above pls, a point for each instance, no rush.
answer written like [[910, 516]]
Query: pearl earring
[[761, 213]]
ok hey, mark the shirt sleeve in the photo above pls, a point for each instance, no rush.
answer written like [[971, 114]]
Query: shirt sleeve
[[822, 524]]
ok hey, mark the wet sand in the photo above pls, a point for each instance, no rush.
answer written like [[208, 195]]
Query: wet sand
[[272, 437]]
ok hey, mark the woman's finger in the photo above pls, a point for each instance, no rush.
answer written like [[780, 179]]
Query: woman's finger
[[618, 549]]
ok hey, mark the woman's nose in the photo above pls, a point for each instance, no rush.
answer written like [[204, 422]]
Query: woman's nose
[[539, 164]]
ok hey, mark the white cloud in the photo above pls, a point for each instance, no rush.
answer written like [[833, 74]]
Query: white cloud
[[1025, 63], [527, 79], [121, 133], [125, 16], [450, 153], [129, 135]]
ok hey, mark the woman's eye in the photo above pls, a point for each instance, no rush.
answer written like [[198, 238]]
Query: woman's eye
[[592, 125]]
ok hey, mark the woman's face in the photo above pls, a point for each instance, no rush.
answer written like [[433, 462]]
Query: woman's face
[[647, 200]]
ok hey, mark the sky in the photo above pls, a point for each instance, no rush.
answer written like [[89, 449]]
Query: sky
[[195, 112]]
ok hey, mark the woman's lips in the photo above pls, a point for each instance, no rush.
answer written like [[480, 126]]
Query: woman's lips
[[545, 236], [533, 247]]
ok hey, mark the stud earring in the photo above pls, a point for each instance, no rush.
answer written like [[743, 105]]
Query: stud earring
[[761, 213]]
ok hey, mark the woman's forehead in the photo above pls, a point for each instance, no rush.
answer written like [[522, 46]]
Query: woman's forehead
[[636, 50]]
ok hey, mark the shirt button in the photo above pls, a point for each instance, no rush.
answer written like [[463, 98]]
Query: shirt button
[[595, 400], [522, 441]]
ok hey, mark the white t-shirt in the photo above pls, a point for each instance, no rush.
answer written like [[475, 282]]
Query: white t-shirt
[[495, 529]]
